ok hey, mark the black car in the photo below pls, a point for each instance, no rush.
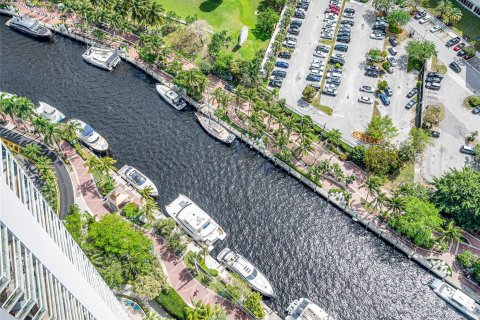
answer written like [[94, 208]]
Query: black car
[[279, 73], [344, 34], [434, 74], [299, 15], [371, 68], [349, 10], [349, 22], [341, 47], [337, 70], [297, 23], [275, 83], [461, 53], [393, 41], [303, 5], [343, 40], [453, 41], [335, 60], [412, 93], [371, 74], [434, 134], [455, 67], [433, 79], [476, 110], [322, 48], [285, 55], [294, 31]]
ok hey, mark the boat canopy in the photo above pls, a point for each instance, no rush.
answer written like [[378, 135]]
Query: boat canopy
[[136, 176], [48, 109], [87, 131]]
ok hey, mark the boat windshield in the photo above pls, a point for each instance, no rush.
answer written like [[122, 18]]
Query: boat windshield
[[137, 177], [87, 131], [253, 275]]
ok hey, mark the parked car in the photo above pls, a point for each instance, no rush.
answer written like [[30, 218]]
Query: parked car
[[327, 36], [424, 20], [459, 46], [336, 70], [385, 100], [433, 79], [275, 83], [294, 31], [453, 41], [341, 47], [390, 70], [468, 57], [435, 28], [281, 64], [434, 134], [349, 15], [335, 60], [322, 48], [388, 91], [434, 74], [371, 74], [314, 78], [411, 104], [412, 93], [393, 41], [316, 86], [329, 91], [320, 54], [343, 40], [420, 15], [392, 51], [367, 89], [371, 68], [289, 44], [461, 53], [476, 110], [285, 55], [376, 36], [334, 80], [366, 100], [349, 22], [392, 61], [296, 23], [279, 73], [299, 15], [467, 150], [455, 67], [433, 86]]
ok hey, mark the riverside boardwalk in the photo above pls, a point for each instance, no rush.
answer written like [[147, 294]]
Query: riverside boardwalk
[[354, 208]]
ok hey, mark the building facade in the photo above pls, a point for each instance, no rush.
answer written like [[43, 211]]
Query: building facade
[[44, 274], [472, 5]]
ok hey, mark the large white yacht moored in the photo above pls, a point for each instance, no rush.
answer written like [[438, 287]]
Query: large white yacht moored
[[196, 222], [29, 27], [138, 180], [304, 309], [172, 97], [457, 299], [103, 58], [246, 270], [90, 137], [47, 111]]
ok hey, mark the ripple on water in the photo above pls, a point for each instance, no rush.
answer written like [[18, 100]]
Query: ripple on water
[[305, 247]]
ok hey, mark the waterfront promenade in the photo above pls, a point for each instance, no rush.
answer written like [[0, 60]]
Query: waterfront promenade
[[358, 193]]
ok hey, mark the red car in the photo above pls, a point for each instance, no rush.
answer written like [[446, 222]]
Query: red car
[[459, 46], [334, 11], [332, 6]]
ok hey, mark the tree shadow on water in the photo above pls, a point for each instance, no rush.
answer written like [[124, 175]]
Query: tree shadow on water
[[210, 5]]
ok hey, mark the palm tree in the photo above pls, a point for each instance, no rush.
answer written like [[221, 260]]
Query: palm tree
[[39, 124], [194, 81], [146, 192], [107, 164], [43, 165], [378, 201], [69, 130], [154, 13], [31, 150], [444, 6], [333, 135], [395, 204], [324, 167], [372, 185], [454, 15], [450, 233], [9, 106], [25, 108], [52, 134], [281, 139], [289, 123], [148, 210], [94, 165], [137, 11]]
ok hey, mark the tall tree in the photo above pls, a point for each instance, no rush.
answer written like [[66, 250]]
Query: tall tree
[[421, 50], [381, 159], [193, 81], [381, 128], [397, 19], [420, 139], [449, 233]]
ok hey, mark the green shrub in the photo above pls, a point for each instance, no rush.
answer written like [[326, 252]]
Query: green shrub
[[471, 101], [171, 301], [466, 259], [130, 211]]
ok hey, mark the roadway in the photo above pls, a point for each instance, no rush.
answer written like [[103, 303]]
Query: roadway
[[63, 177]]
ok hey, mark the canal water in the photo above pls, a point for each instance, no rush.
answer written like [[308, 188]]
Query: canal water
[[305, 246]]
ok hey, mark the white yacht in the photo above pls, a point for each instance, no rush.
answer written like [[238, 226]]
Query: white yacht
[[90, 137], [304, 309], [103, 58], [172, 97], [457, 299], [137, 179], [215, 129], [47, 111], [29, 27], [196, 222], [246, 270]]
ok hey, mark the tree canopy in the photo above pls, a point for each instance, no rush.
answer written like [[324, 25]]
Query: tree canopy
[[266, 22], [458, 196], [381, 128], [421, 50], [396, 19], [381, 159]]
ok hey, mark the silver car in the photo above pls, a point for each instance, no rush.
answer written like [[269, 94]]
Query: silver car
[[366, 100], [367, 89]]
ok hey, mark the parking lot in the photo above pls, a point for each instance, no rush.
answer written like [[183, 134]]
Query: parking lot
[[295, 80]]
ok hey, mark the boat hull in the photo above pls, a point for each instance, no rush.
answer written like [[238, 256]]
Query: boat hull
[[221, 135], [162, 90], [148, 182], [41, 37], [101, 66]]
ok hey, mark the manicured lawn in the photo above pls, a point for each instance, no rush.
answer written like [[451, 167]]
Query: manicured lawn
[[230, 15], [469, 25]]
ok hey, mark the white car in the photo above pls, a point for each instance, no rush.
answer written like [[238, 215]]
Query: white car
[[376, 36], [289, 44], [366, 100], [320, 54], [367, 89], [392, 61], [434, 29], [326, 36], [424, 20]]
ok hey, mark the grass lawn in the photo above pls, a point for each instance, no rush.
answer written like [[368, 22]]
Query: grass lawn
[[469, 25], [229, 15], [404, 175]]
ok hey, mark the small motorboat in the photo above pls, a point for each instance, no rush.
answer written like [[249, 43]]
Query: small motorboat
[[47, 111], [90, 137], [138, 180], [171, 96]]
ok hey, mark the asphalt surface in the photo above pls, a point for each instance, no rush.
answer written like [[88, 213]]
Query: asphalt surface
[[63, 178]]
